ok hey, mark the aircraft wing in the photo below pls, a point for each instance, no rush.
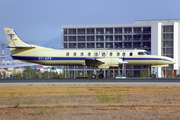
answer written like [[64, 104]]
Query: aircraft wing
[[93, 62]]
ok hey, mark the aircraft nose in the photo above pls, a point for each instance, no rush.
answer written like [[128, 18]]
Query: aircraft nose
[[171, 60]]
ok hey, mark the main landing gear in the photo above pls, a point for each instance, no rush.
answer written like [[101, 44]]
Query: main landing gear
[[93, 76], [153, 75]]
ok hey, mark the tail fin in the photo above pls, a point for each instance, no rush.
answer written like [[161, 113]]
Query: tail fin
[[14, 41]]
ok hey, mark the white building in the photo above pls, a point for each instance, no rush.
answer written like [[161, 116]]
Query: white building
[[161, 37]]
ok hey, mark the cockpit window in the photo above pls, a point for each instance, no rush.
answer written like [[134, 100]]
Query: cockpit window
[[147, 53], [140, 53]]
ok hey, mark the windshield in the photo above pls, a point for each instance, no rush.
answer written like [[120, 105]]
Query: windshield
[[146, 53], [140, 53]]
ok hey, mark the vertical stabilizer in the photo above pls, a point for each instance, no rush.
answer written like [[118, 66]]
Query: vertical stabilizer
[[13, 39]]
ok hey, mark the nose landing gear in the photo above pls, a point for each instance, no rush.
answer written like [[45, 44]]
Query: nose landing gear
[[153, 75]]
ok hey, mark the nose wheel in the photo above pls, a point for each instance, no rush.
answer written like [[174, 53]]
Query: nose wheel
[[153, 75], [93, 76]]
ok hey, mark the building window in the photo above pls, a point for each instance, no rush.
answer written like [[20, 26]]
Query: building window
[[90, 45], [74, 54], [109, 30], [168, 36], [136, 37], [128, 44], [81, 31], [90, 31], [82, 54], [167, 28], [146, 37], [67, 54], [118, 30], [90, 38], [137, 44], [100, 38], [72, 45], [99, 45], [72, 38], [109, 45], [65, 38], [118, 54], [127, 38], [146, 29], [81, 38], [118, 45], [137, 30], [99, 30], [118, 37], [127, 30], [109, 38], [89, 54], [81, 45], [65, 45], [65, 31], [72, 31]]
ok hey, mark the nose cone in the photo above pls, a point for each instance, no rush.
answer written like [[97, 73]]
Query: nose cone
[[170, 60]]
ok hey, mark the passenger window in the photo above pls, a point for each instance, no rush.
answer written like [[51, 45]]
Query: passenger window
[[82, 54], [118, 54], [67, 54], [130, 54], [103, 54], [110, 54], [124, 54], [96, 54], [89, 54], [140, 53], [74, 54]]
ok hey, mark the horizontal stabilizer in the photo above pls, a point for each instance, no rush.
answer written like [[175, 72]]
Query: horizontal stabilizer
[[160, 65]]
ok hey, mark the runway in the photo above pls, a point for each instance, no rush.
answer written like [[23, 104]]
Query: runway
[[129, 81]]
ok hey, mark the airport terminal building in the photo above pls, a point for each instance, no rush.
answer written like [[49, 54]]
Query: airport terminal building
[[160, 37]]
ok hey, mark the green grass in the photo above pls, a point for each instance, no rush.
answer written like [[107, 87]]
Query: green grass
[[107, 97], [42, 111], [30, 101]]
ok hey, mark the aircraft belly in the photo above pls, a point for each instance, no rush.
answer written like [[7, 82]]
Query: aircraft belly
[[139, 62]]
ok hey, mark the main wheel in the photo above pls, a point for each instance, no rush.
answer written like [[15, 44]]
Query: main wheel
[[101, 76], [93, 76], [153, 76]]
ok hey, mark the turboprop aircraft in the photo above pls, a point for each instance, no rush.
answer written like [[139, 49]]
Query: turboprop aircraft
[[102, 59]]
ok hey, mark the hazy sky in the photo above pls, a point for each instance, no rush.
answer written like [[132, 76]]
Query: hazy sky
[[39, 21]]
